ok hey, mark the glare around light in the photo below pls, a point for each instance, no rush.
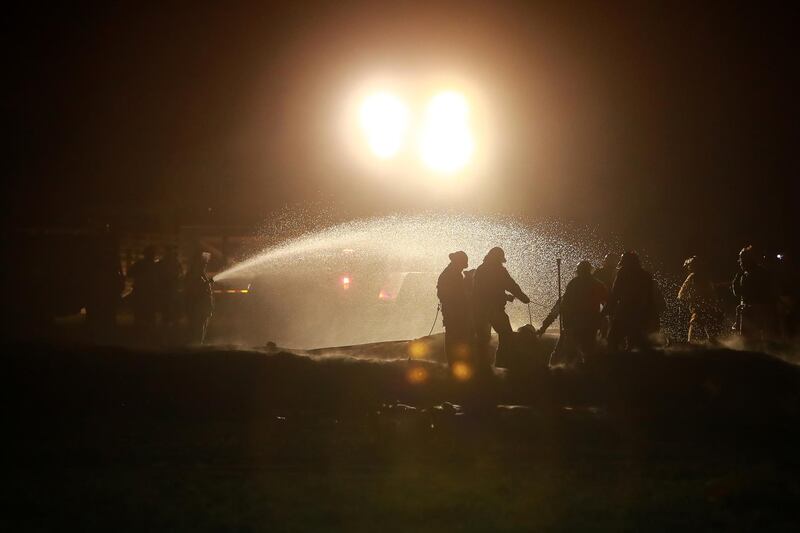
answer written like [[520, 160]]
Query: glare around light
[[461, 371], [384, 121], [418, 350], [417, 375], [446, 142]]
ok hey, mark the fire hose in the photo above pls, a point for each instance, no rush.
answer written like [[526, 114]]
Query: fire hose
[[435, 318]]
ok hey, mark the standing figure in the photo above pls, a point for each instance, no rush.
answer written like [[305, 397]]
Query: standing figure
[[492, 282], [579, 308], [697, 292], [459, 332], [105, 288], [787, 289], [756, 314], [199, 297], [632, 305], [170, 273], [606, 274], [144, 273]]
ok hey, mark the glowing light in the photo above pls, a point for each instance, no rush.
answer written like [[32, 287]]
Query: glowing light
[[446, 142], [345, 282], [462, 351], [461, 371], [417, 350], [417, 375], [384, 120]]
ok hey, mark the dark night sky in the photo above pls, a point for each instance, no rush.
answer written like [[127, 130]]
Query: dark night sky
[[673, 125]]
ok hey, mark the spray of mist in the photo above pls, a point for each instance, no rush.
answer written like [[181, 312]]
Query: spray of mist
[[390, 265]]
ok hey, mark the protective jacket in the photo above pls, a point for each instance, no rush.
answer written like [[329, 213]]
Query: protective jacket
[[580, 305], [697, 292], [753, 287], [492, 281], [199, 293], [633, 297], [452, 293], [606, 276]]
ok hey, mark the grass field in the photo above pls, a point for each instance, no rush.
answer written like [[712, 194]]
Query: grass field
[[234, 440]]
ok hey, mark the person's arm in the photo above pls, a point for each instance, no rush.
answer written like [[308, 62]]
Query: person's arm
[[551, 317], [441, 287], [449, 288], [685, 292], [512, 287], [603, 291], [735, 284], [613, 298]]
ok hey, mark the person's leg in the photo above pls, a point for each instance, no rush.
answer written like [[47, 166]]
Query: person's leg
[[194, 321], [203, 328], [449, 342], [586, 340], [703, 327], [459, 347], [560, 354], [748, 329], [639, 336], [692, 328], [605, 327], [483, 336], [615, 335], [455, 344], [505, 335], [197, 328]]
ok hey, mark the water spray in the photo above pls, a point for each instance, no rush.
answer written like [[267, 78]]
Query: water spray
[[298, 281]]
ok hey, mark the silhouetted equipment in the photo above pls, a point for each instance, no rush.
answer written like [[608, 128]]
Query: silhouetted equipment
[[435, 318], [492, 282], [558, 268], [521, 356]]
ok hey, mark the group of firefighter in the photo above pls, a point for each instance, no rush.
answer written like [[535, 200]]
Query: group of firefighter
[[617, 305], [161, 294]]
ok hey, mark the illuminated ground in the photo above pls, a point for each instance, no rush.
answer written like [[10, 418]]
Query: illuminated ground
[[229, 440]]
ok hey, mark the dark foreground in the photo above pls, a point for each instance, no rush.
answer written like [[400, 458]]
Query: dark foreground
[[227, 440]]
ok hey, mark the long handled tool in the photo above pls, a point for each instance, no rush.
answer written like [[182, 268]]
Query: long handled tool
[[558, 268]]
